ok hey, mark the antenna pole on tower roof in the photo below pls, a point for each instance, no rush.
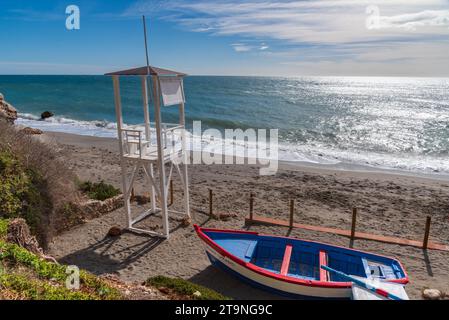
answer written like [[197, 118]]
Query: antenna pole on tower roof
[[146, 44]]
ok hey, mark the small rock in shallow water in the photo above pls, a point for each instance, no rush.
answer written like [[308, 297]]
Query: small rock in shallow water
[[431, 294], [46, 114]]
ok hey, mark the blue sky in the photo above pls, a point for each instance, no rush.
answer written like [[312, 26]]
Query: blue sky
[[219, 37]]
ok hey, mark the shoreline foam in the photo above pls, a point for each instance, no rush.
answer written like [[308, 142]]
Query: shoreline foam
[[109, 142], [288, 153]]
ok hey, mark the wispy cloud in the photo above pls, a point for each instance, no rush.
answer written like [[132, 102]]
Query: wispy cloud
[[318, 21], [244, 47], [240, 47], [415, 21], [263, 47], [314, 31]]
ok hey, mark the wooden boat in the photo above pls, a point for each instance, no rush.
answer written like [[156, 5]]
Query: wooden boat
[[292, 267]]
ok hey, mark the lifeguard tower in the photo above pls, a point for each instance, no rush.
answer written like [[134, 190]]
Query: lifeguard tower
[[139, 150]]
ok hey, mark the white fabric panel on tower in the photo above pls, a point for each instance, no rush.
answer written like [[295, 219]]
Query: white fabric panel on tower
[[171, 89]]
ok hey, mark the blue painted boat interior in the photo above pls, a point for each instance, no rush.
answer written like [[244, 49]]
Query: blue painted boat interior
[[268, 252]]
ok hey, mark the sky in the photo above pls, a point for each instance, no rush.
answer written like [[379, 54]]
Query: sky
[[219, 37]]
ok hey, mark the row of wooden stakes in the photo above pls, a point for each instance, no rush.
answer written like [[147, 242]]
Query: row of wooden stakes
[[425, 242]]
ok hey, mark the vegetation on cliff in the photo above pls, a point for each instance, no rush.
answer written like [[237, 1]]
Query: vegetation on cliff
[[25, 275], [34, 183], [183, 288]]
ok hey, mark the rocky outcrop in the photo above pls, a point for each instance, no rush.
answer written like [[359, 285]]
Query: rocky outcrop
[[95, 208], [19, 233], [31, 131], [7, 111], [46, 115]]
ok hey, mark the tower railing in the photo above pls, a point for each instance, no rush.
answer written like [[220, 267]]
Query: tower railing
[[135, 144]]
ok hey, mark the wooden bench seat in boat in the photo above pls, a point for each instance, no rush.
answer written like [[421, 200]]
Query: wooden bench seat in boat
[[286, 259], [324, 275]]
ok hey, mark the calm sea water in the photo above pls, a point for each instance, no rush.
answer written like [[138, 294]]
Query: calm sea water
[[395, 123]]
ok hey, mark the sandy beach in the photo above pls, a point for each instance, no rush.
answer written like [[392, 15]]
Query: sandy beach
[[389, 204]]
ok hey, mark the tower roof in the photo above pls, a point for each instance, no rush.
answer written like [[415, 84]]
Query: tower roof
[[142, 71]]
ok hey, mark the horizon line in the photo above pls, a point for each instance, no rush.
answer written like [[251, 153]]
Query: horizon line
[[253, 76]]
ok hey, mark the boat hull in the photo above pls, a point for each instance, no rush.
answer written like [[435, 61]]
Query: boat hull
[[275, 286], [293, 267]]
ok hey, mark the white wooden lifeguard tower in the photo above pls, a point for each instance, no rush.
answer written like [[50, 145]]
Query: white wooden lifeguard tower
[[138, 148]]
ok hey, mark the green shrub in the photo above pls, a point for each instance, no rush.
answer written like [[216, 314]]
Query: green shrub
[[14, 186], [185, 288], [3, 228], [33, 289], [92, 287], [45, 280], [22, 193], [99, 191]]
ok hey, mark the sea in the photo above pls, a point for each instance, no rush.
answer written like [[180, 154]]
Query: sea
[[386, 123]]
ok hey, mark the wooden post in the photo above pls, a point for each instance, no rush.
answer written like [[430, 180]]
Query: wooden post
[[292, 212], [427, 233], [354, 221], [251, 206], [211, 212], [171, 192]]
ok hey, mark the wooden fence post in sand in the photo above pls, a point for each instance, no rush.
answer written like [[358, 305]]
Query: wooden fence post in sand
[[171, 192], [354, 221], [427, 233], [292, 212], [211, 210], [251, 206]]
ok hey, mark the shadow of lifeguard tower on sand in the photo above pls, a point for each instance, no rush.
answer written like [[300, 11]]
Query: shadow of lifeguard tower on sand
[[139, 150]]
